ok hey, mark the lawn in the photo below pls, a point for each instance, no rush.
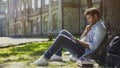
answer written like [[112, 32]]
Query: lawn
[[29, 52], [24, 52]]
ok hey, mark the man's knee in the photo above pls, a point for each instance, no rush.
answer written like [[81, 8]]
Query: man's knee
[[63, 32], [61, 36]]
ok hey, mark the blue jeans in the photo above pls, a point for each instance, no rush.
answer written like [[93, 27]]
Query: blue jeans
[[65, 39]]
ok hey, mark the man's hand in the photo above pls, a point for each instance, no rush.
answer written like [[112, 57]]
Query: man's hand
[[83, 43], [87, 29]]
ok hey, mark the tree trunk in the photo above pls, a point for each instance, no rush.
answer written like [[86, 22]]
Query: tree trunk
[[111, 18], [89, 3], [101, 9]]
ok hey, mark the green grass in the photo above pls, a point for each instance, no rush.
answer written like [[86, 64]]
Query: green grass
[[28, 52], [24, 52]]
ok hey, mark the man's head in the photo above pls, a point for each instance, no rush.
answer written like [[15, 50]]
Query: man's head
[[92, 15]]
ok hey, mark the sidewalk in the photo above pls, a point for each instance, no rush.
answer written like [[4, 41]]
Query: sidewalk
[[10, 41]]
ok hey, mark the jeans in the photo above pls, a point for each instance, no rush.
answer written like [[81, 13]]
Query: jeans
[[65, 39]]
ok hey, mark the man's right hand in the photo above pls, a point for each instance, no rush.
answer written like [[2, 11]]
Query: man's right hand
[[87, 29]]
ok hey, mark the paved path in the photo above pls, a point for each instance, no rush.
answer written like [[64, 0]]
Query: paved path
[[9, 41]]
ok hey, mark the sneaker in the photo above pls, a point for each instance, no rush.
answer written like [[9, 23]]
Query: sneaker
[[72, 58], [79, 63], [83, 59], [42, 61], [67, 53], [56, 58]]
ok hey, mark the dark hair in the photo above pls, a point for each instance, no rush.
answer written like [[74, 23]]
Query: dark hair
[[92, 11]]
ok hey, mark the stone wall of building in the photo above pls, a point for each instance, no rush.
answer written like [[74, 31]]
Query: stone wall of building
[[71, 16], [3, 17], [38, 17]]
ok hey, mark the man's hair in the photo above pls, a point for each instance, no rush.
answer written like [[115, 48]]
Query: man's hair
[[92, 11]]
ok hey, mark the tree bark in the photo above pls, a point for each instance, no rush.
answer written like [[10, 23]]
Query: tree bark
[[101, 9], [111, 16]]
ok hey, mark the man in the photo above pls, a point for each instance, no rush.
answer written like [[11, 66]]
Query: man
[[90, 40]]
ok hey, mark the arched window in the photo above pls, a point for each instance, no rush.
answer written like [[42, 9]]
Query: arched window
[[45, 26], [39, 3], [46, 2], [93, 1], [55, 22], [22, 7], [33, 4], [55, 0]]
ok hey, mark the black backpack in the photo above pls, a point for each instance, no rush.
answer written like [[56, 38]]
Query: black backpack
[[113, 53]]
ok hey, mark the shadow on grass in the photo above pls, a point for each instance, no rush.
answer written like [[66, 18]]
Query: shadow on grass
[[9, 54], [4, 54], [25, 48], [37, 53]]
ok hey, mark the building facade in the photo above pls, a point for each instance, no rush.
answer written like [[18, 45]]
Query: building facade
[[3, 17], [38, 17]]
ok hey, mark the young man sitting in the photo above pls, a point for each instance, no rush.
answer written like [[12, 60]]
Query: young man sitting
[[91, 38]]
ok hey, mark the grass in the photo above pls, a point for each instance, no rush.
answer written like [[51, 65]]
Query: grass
[[27, 53], [24, 52], [30, 52]]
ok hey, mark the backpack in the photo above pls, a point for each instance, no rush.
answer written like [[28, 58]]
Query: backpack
[[113, 53]]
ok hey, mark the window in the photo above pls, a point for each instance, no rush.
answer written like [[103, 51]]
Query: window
[[18, 9], [26, 6], [45, 23], [39, 3], [55, 0], [22, 7], [55, 22], [4, 0], [46, 2], [6, 11], [33, 4], [15, 13], [96, 1]]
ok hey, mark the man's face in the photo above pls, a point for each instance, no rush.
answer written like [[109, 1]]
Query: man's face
[[91, 19]]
